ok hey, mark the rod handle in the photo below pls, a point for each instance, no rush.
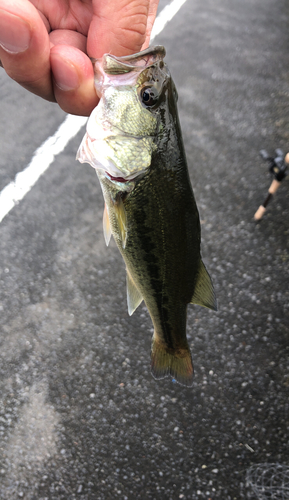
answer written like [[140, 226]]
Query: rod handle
[[274, 186], [260, 212]]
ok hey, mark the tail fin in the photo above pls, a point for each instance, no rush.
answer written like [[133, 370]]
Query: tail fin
[[177, 363]]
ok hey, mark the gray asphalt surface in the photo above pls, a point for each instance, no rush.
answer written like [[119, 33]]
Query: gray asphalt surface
[[80, 415]]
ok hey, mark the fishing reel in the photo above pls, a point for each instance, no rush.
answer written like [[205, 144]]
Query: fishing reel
[[277, 167]]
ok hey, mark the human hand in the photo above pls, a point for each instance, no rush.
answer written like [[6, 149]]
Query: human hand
[[45, 45]]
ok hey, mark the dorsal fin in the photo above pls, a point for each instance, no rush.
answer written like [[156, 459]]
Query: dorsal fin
[[134, 297], [204, 294]]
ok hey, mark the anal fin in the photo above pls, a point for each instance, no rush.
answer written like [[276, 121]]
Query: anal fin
[[204, 294], [134, 297]]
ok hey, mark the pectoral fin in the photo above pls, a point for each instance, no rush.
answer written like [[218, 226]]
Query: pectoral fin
[[106, 226], [121, 219], [204, 294], [134, 297]]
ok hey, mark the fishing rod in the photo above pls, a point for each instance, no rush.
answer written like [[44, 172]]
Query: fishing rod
[[277, 167]]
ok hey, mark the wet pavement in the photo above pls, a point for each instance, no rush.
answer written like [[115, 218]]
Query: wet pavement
[[80, 414]]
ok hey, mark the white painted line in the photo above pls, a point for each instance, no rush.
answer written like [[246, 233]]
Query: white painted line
[[165, 16], [45, 154], [42, 159]]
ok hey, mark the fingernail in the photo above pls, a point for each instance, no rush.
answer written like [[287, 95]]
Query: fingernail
[[64, 73], [15, 33]]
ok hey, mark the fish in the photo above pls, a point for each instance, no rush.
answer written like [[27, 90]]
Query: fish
[[134, 141]]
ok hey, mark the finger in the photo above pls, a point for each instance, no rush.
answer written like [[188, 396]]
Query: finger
[[68, 37], [117, 28], [24, 47], [150, 22], [73, 80]]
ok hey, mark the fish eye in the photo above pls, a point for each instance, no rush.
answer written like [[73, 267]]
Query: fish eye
[[149, 96]]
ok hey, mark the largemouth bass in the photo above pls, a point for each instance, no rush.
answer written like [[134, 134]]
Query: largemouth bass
[[134, 142]]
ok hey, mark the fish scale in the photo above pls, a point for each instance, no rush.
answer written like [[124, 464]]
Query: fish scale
[[128, 118]]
